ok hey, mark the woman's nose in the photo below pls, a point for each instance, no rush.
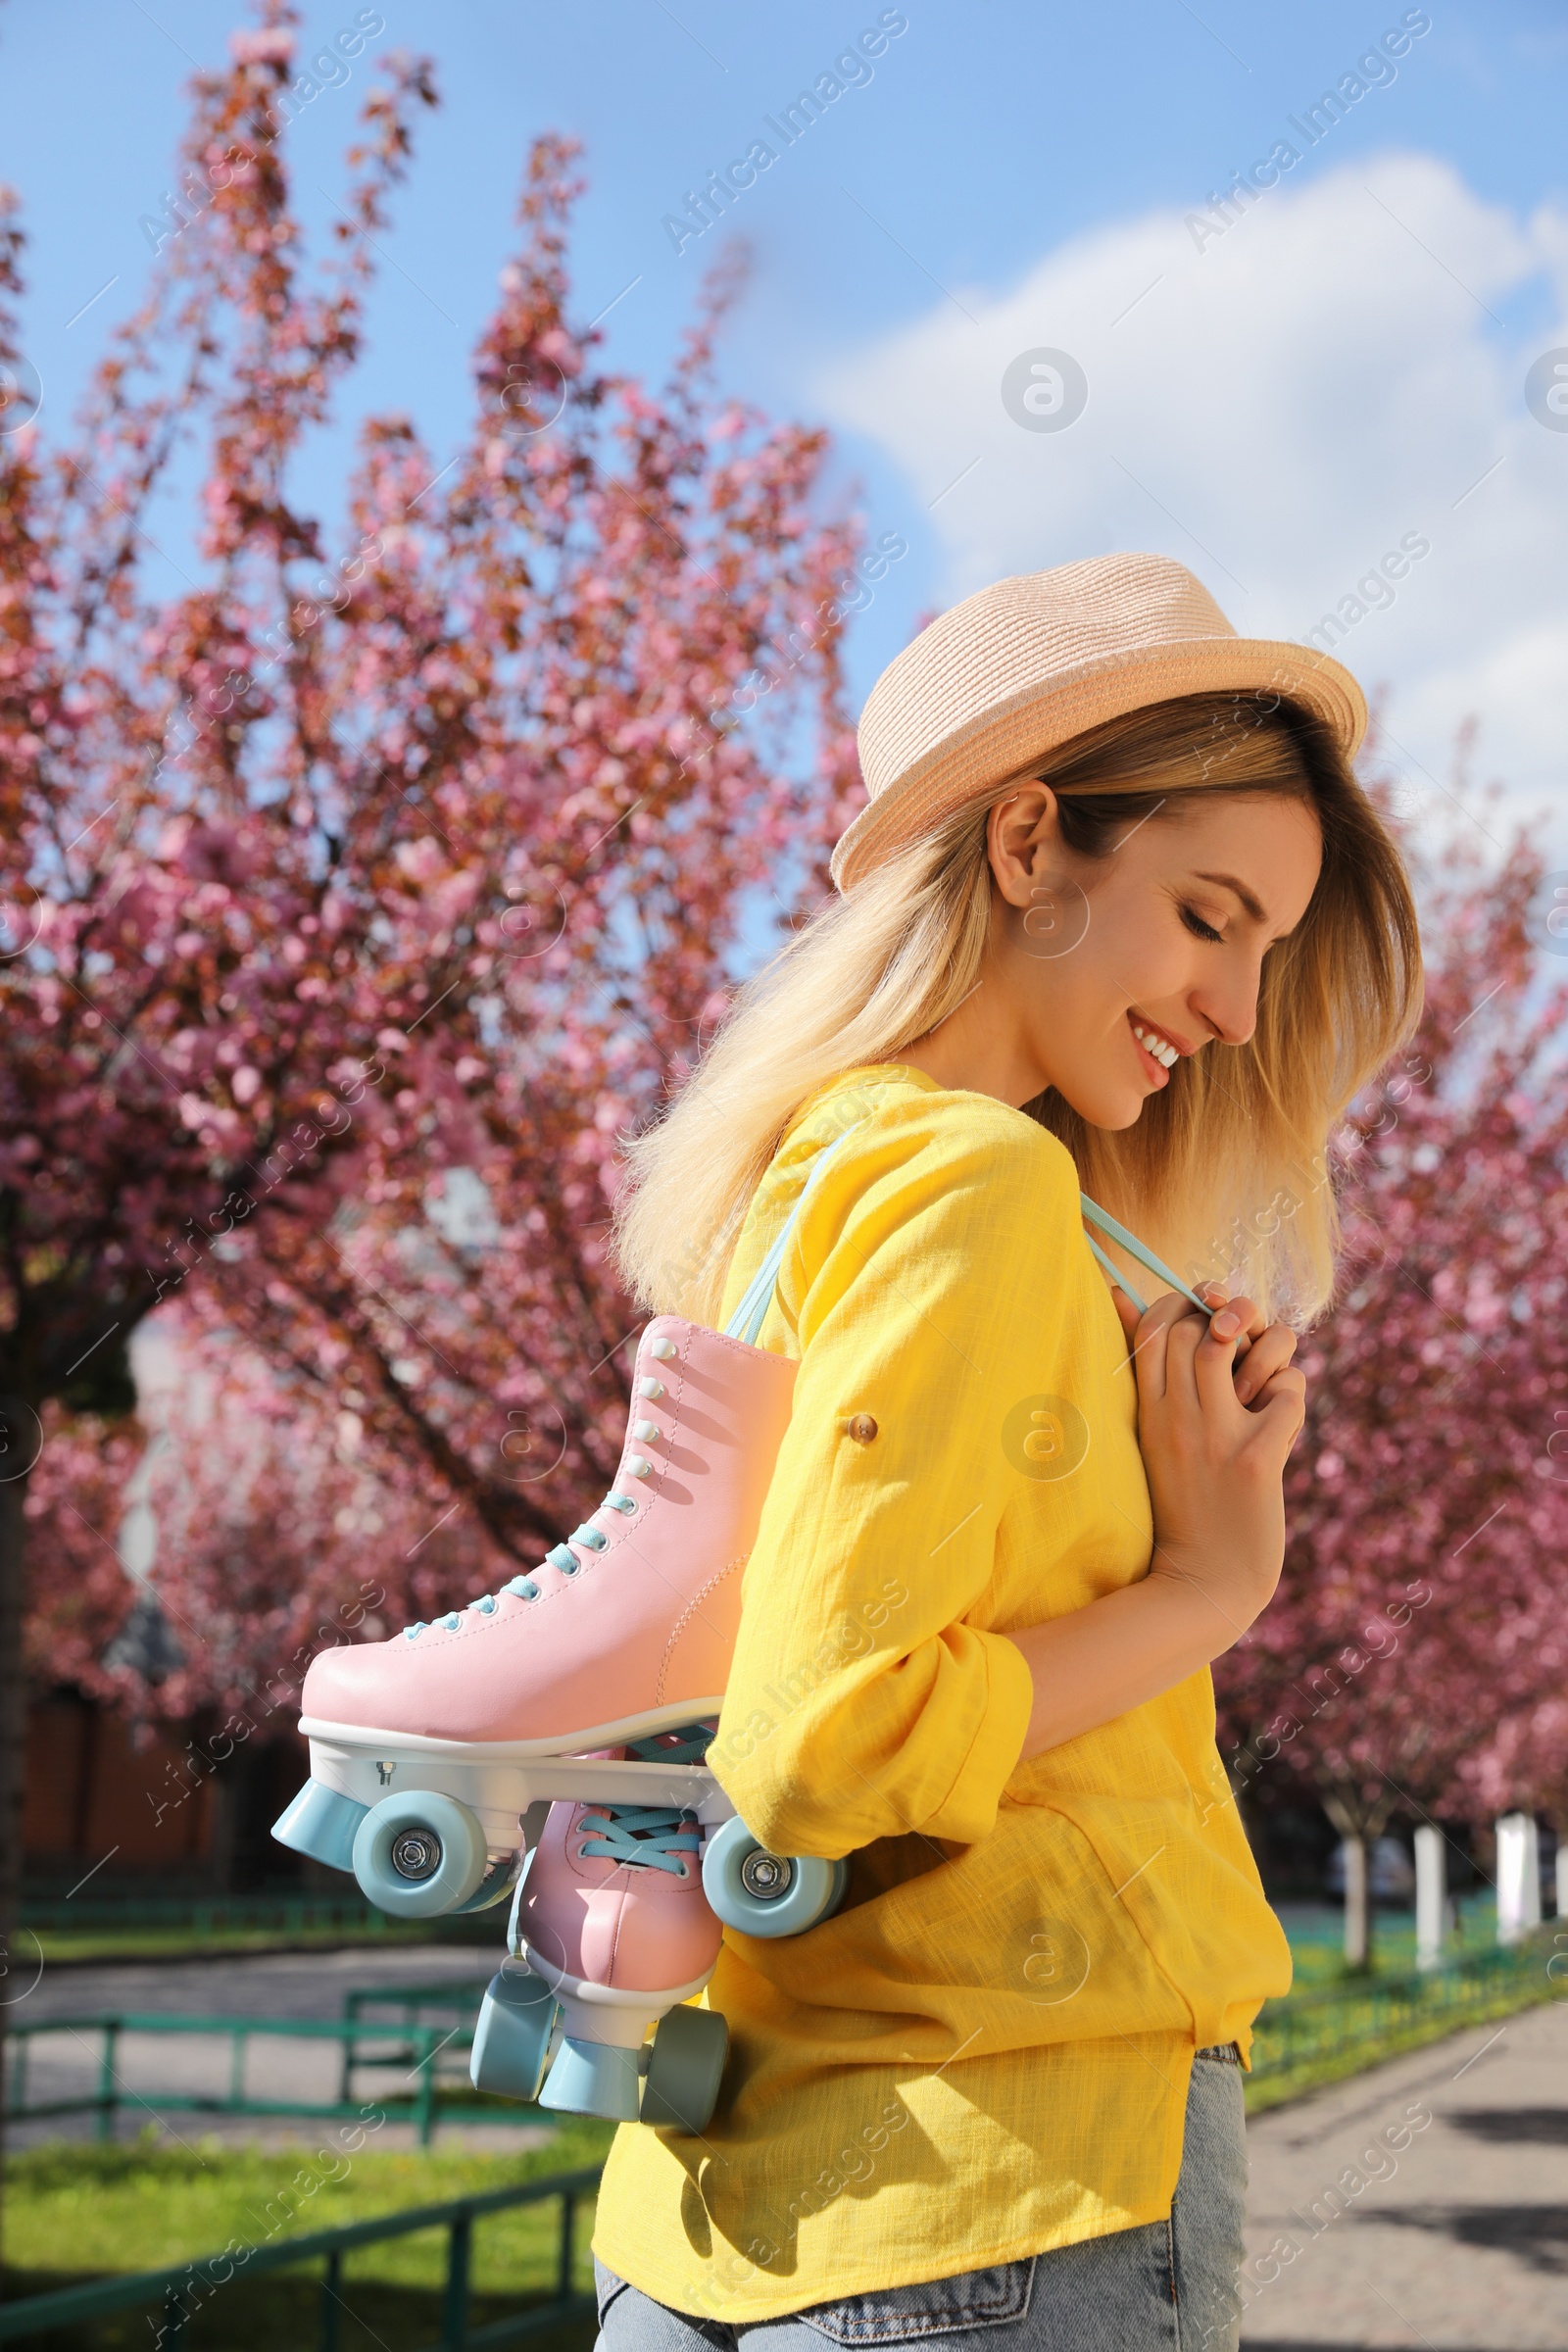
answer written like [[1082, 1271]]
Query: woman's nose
[[1231, 1010]]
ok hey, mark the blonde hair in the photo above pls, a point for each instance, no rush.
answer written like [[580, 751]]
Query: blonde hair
[[1224, 1173]]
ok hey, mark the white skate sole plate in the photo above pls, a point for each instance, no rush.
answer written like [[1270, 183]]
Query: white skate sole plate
[[500, 1779]]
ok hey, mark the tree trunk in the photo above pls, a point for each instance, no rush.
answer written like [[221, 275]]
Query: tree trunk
[[14, 1971], [1357, 1905], [1358, 1824], [1432, 1907]]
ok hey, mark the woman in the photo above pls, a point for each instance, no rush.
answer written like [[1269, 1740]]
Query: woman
[[1116, 915]]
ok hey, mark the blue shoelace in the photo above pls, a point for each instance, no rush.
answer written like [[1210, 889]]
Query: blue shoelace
[[592, 1539], [652, 1837]]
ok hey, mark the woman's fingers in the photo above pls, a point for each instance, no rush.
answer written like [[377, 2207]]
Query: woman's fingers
[[1199, 1376], [1282, 1410], [1242, 1318], [1219, 1378], [1269, 1354], [1179, 1353], [1213, 1366], [1151, 1342], [1185, 1345]]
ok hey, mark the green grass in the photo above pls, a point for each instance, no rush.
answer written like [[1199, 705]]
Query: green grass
[[1358, 2019], [1293, 2082], [76, 2213], [1318, 1941]]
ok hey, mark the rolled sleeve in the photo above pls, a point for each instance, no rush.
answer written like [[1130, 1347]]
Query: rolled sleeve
[[868, 1696]]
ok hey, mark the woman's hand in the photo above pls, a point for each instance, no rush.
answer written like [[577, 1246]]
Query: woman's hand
[[1266, 1347], [1215, 1435]]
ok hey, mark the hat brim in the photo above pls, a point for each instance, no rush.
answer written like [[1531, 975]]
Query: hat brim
[[1040, 719]]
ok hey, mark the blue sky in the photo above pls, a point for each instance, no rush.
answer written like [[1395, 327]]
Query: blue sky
[[1281, 398]]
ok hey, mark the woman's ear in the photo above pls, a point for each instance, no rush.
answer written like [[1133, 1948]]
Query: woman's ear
[[1023, 839]]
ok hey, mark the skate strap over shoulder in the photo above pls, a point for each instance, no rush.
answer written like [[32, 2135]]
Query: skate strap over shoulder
[[1095, 1215], [747, 1320]]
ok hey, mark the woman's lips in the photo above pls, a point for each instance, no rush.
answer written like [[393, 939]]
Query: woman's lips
[[1155, 1071]]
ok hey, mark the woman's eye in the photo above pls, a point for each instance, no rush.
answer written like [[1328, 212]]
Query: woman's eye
[[1196, 925]]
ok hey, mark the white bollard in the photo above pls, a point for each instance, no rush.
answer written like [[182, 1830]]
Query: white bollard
[[1357, 1903], [1430, 1897], [1518, 1877], [1532, 1872]]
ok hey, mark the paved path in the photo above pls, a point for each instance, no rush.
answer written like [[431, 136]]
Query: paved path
[[1423, 2203], [252, 1985]]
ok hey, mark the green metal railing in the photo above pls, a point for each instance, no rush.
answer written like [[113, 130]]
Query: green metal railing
[[181, 2289], [452, 1995], [415, 2045], [1311, 2029], [456, 1996]]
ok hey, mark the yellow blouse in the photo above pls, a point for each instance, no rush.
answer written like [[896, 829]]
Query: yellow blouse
[[985, 2052]]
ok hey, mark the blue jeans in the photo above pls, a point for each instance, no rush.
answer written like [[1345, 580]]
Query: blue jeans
[[1166, 2286]]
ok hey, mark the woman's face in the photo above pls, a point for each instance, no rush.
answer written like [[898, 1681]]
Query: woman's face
[[1101, 973]]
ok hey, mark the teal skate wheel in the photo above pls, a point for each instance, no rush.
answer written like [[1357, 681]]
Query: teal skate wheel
[[512, 2039], [419, 1854], [685, 2070], [593, 2077], [762, 1894]]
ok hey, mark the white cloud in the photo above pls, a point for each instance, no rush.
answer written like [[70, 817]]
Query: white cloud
[[1341, 368]]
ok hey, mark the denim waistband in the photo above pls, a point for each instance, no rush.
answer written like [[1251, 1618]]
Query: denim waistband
[[1229, 2052]]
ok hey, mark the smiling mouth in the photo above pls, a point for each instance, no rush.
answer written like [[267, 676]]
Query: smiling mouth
[[1154, 1043]]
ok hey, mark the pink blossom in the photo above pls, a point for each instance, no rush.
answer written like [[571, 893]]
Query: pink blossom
[[288, 1010]]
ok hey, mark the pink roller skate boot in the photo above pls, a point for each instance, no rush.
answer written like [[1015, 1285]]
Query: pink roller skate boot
[[611, 1933], [428, 1750]]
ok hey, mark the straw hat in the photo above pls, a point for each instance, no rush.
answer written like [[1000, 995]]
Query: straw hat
[[1025, 666]]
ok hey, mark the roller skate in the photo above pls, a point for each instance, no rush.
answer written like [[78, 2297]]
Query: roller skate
[[437, 1757], [611, 1934], [428, 1749]]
